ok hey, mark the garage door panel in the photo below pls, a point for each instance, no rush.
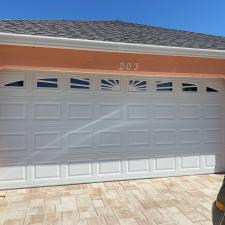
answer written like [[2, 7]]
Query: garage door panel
[[50, 170], [164, 111], [164, 137], [13, 141], [79, 111], [47, 111], [137, 112], [13, 111], [165, 164], [190, 136], [213, 136], [213, 124], [79, 169], [110, 138], [109, 167], [80, 139], [13, 173], [110, 111], [213, 111], [190, 162], [138, 165], [76, 125], [47, 140], [189, 111], [139, 137]]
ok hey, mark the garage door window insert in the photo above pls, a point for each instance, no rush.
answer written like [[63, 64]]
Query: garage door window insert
[[19, 83], [138, 85], [188, 87], [209, 89], [80, 83], [47, 83], [164, 86], [110, 85]]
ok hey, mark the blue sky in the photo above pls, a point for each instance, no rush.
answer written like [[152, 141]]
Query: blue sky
[[206, 16]]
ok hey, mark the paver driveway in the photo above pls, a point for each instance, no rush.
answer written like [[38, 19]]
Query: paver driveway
[[175, 200]]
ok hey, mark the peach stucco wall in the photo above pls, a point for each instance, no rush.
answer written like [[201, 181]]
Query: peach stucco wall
[[24, 57]]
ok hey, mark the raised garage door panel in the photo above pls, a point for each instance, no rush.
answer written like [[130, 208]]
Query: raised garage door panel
[[70, 128]]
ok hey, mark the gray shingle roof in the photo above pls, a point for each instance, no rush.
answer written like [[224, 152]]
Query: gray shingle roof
[[114, 31]]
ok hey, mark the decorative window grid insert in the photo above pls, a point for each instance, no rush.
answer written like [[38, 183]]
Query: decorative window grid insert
[[80, 83], [19, 83], [47, 83], [164, 86], [137, 85], [189, 87], [110, 85], [210, 89]]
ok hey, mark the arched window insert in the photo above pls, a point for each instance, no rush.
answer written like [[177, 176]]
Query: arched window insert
[[47, 83], [164, 86], [19, 83], [209, 89], [189, 87], [137, 85], [110, 85], [80, 83]]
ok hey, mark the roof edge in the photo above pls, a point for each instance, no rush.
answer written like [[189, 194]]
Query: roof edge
[[70, 43]]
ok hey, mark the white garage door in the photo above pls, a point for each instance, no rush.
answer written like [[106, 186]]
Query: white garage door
[[69, 128]]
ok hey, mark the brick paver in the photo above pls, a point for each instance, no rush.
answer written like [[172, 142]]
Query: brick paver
[[175, 200]]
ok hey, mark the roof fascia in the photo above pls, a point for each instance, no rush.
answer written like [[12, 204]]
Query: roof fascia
[[70, 43]]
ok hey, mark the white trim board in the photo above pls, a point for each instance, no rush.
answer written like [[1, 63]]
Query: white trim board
[[70, 43]]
